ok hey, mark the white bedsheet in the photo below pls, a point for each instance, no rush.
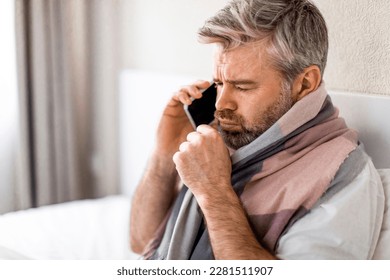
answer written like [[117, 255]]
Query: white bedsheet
[[86, 229]]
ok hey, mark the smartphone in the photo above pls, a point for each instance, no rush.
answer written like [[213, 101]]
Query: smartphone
[[201, 111]]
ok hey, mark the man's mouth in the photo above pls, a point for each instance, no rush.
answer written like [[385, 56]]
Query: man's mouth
[[228, 125]]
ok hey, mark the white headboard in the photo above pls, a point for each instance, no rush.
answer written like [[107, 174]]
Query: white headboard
[[144, 94], [370, 116], [142, 97]]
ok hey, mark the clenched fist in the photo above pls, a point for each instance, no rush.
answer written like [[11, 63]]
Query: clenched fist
[[203, 162]]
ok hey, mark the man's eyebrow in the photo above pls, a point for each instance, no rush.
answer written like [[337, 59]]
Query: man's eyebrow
[[237, 82]]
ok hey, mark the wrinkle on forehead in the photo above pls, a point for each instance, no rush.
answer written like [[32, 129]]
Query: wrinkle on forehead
[[237, 61]]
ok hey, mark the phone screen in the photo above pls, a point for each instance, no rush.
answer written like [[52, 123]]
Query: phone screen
[[201, 111]]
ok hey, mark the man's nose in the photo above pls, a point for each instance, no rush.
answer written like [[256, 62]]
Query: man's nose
[[225, 99]]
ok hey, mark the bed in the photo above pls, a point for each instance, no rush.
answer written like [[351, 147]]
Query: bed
[[98, 229]]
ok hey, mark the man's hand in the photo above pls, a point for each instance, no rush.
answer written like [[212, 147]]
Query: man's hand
[[204, 165], [174, 125], [203, 162]]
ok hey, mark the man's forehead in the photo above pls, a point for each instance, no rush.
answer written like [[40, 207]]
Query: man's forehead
[[254, 52], [251, 57]]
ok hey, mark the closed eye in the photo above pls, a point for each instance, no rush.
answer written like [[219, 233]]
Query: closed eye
[[241, 88], [244, 87]]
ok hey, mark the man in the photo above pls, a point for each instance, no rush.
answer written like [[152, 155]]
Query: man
[[281, 176]]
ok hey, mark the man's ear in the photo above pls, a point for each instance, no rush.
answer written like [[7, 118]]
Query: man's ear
[[306, 82]]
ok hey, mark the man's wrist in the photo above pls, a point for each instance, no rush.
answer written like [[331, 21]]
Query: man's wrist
[[223, 194]]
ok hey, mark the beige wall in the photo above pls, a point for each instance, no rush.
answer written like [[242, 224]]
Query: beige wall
[[359, 54], [161, 35]]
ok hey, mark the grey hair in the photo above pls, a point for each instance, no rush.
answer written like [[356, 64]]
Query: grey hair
[[295, 31]]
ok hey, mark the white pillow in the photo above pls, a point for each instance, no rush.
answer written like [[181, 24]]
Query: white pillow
[[382, 251]]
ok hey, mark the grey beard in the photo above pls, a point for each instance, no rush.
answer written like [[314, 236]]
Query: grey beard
[[238, 139]]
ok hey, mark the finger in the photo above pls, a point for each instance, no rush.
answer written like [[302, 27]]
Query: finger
[[193, 136], [183, 97], [176, 158], [202, 84], [205, 129], [189, 92], [184, 146], [192, 90], [195, 90]]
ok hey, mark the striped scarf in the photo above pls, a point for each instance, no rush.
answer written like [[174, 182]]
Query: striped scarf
[[278, 177]]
